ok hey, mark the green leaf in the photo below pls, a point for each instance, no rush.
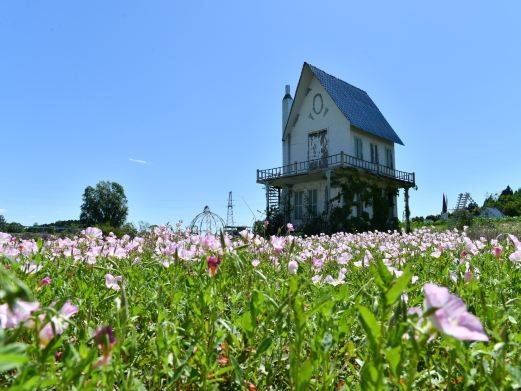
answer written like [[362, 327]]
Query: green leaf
[[179, 370], [370, 325], [370, 377], [383, 271], [246, 322], [397, 288], [264, 345], [515, 373], [237, 369], [293, 284], [11, 288], [381, 274], [304, 375], [393, 357], [12, 356]]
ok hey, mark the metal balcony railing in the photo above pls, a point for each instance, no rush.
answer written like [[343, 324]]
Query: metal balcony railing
[[334, 161]]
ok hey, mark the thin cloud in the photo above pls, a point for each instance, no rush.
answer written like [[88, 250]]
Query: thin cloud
[[138, 161], [2, 210]]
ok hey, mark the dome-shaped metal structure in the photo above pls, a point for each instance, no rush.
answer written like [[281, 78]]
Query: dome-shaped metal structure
[[207, 222]]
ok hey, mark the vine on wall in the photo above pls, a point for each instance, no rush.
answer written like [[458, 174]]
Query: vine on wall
[[356, 194]]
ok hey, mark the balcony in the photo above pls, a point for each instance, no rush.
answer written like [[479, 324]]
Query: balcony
[[340, 160]]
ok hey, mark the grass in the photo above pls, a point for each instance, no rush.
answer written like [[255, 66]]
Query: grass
[[177, 326], [478, 227]]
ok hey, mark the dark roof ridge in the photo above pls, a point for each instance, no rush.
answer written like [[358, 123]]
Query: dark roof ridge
[[334, 77], [356, 105]]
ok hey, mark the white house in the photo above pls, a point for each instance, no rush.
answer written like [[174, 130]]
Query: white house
[[329, 129]]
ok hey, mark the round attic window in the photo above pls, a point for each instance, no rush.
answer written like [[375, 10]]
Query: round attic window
[[318, 104]]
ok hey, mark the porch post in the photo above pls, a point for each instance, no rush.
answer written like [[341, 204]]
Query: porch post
[[407, 211], [328, 191], [287, 204], [267, 201]]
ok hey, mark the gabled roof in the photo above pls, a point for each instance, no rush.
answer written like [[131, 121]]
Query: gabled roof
[[356, 105]]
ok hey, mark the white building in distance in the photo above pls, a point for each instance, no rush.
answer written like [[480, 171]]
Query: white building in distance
[[332, 132]]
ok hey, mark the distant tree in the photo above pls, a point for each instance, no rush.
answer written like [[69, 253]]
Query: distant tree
[[10, 227], [473, 208], [508, 202], [143, 226], [104, 204], [14, 228], [508, 191]]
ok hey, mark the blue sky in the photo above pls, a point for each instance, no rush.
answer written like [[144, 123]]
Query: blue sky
[[194, 89]]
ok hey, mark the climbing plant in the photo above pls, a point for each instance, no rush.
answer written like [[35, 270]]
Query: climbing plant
[[346, 210], [355, 194]]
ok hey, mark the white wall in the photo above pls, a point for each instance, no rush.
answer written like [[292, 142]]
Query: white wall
[[340, 136], [320, 186], [367, 139], [334, 122]]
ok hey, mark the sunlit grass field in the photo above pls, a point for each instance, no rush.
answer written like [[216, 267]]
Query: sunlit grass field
[[170, 310]]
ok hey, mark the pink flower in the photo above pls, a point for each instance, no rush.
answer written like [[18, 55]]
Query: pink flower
[[111, 282], [255, 263], [31, 268], [497, 252], [344, 258], [414, 311], [292, 267], [266, 223], [516, 255], [45, 281], [450, 314], [213, 264], [470, 272], [290, 227], [104, 338], [278, 243], [318, 263], [516, 241], [93, 233], [20, 313], [166, 263], [246, 235], [60, 323]]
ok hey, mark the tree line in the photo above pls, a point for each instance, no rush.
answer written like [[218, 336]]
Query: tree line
[[104, 205]]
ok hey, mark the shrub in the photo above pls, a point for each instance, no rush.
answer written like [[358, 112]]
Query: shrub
[[460, 219]]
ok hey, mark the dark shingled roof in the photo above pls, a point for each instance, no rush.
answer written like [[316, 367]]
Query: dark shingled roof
[[356, 105]]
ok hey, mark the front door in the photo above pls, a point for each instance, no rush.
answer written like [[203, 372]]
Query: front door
[[317, 149]]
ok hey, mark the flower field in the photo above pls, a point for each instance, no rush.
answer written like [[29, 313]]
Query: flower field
[[170, 310]]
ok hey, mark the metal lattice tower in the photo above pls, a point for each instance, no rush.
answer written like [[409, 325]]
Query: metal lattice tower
[[463, 200], [229, 215]]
